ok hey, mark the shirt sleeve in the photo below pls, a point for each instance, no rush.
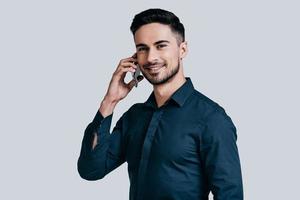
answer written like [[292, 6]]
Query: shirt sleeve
[[220, 157], [108, 154]]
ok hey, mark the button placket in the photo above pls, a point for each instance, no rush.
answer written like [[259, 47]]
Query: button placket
[[152, 128]]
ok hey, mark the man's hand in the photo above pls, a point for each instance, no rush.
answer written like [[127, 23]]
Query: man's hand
[[118, 89]]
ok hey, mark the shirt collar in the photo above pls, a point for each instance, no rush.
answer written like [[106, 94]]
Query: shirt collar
[[179, 96]]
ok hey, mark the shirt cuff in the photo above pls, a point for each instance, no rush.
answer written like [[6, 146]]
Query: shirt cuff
[[102, 124]]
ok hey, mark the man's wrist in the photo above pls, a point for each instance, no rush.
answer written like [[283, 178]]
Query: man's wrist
[[107, 107]]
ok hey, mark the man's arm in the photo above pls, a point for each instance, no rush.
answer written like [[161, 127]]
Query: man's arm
[[95, 160], [106, 109], [220, 157], [101, 152]]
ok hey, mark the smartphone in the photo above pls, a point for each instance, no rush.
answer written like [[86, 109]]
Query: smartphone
[[136, 73]]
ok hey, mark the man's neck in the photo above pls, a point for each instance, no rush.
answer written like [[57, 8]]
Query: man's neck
[[164, 91]]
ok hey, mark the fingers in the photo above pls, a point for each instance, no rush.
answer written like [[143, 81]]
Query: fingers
[[123, 69], [129, 59], [126, 65]]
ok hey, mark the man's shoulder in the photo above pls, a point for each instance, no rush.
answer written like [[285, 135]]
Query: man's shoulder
[[205, 103], [207, 108]]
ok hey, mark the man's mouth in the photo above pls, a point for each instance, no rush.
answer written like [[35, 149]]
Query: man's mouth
[[154, 68]]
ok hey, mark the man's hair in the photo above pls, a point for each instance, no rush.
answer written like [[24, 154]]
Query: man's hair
[[160, 16]]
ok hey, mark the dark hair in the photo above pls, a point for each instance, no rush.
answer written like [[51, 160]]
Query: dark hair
[[161, 16]]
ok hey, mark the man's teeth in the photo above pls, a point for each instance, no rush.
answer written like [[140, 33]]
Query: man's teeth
[[154, 68]]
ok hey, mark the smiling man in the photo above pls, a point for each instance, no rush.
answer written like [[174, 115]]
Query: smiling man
[[178, 144]]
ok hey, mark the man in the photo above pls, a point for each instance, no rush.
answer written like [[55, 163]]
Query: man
[[178, 144]]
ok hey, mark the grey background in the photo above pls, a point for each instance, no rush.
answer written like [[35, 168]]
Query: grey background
[[57, 58]]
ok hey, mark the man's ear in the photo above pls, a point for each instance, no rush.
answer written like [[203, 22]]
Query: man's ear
[[183, 49]]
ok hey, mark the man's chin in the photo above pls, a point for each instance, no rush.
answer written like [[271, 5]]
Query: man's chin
[[153, 81], [158, 81]]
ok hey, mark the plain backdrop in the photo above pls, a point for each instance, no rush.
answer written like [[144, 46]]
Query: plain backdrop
[[57, 58]]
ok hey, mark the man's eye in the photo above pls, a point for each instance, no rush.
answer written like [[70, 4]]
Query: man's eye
[[161, 46], [142, 49]]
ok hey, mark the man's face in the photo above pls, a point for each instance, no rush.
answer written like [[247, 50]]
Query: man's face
[[158, 52]]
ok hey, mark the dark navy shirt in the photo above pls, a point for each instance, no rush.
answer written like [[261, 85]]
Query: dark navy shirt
[[181, 150]]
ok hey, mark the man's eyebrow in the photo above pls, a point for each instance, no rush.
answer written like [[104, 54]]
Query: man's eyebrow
[[161, 41], [155, 43]]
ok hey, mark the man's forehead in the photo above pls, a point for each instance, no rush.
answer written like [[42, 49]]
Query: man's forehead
[[153, 32]]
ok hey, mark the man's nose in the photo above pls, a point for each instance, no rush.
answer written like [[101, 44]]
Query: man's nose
[[152, 56]]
